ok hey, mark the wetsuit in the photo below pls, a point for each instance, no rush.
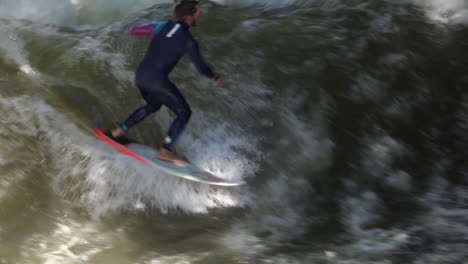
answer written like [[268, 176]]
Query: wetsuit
[[171, 40]]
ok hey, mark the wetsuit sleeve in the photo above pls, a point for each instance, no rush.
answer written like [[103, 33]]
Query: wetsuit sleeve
[[147, 29], [197, 59], [142, 30]]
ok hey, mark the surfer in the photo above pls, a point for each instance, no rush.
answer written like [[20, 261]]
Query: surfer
[[170, 41]]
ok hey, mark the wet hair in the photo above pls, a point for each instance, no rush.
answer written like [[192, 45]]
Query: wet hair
[[185, 8]]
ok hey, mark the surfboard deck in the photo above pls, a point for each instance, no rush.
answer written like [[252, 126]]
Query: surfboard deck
[[148, 156]]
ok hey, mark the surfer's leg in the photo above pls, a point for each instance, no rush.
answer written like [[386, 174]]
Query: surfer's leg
[[174, 100], [152, 105], [137, 116]]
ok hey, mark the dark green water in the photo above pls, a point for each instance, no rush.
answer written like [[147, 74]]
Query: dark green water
[[347, 119]]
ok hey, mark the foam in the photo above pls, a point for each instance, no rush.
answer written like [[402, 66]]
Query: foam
[[450, 12], [278, 215], [264, 3], [72, 12], [13, 48], [69, 242], [102, 178], [95, 50]]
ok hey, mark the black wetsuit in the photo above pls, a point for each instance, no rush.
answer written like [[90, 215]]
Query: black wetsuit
[[171, 40]]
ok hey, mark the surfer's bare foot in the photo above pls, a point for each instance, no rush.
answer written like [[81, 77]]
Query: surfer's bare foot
[[118, 132], [168, 155]]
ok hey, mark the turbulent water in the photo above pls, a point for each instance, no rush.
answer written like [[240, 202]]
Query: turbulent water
[[348, 120]]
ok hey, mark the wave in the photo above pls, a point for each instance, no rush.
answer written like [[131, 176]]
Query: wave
[[445, 11], [331, 116], [266, 3], [73, 12]]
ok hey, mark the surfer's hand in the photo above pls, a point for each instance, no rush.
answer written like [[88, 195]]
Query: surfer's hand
[[220, 80]]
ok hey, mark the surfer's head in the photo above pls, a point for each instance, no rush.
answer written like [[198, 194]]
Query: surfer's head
[[187, 11]]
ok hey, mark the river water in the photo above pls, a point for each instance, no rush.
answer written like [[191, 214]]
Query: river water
[[347, 119]]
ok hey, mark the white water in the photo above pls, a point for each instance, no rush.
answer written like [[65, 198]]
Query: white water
[[107, 181], [101, 12], [104, 178], [446, 11], [73, 12]]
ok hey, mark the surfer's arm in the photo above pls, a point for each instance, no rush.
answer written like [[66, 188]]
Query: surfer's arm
[[195, 55], [150, 29]]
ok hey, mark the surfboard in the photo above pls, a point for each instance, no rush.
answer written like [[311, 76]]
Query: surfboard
[[148, 156]]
